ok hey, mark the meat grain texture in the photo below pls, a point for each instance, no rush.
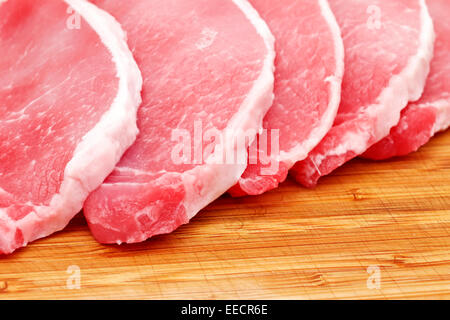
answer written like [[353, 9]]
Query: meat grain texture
[[69, 92], [308, 77], [421, 120], [206, 63], [388, 50]]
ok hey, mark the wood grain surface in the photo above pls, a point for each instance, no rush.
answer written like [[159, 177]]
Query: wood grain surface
[[290, 243]]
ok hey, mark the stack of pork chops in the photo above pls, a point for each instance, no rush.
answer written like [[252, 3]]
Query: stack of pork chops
[[140, 113]]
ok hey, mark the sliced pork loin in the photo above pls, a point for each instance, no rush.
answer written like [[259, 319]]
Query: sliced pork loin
[[308, 77], [431, 114], [388, 49], [207, 68], [69, 92]]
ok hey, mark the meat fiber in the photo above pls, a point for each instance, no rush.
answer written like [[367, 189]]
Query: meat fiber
[[431, 114], [69, 91], [308, 77], [389, 46], [207, 68]]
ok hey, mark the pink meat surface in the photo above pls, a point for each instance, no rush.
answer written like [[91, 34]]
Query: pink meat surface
[[66, 117], [431, 114], [388, 49], [205, 63], [308, 77]]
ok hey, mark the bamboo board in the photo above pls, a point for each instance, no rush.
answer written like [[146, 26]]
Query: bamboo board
[[291, 243]]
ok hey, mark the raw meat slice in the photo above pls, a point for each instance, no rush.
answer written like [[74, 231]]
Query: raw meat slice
[[308, 77], [69, 92], [431, 114], [388, 49], [207, 64]]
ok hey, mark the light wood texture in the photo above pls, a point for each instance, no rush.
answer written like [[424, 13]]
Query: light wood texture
[[290, 243]]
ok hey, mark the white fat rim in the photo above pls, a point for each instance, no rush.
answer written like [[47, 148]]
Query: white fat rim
[[410, 83], [301, 151], [102, 146], [407, 86], [219, 178]]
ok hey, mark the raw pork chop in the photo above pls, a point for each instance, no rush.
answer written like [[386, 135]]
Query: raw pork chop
[[69, 91], [431, 114], [207, 66], [389, 46], [309, 71]]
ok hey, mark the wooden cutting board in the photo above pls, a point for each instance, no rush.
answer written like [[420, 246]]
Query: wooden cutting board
[[371, 230]]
